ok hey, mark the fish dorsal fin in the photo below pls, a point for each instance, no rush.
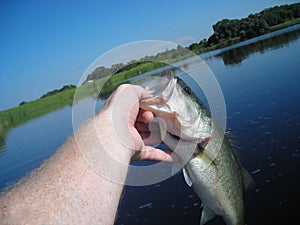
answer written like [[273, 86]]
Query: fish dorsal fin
[[248, 182], [206, 215], [186, 177], [233, 141]]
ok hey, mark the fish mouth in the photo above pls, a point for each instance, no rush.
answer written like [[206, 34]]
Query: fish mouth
[[160, 88], [180, 112]]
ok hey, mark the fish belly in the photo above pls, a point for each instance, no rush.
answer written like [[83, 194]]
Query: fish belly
[[219, 187]]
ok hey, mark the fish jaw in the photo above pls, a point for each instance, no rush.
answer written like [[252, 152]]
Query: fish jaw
[[158, 106], [169, 119], [183, 116], [173, 123]]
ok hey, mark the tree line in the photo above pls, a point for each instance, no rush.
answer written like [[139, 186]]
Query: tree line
[[64, 88], [226, 32], [229, 31], [167, 56]]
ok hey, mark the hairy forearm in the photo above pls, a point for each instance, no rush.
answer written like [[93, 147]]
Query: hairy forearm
[[66, 189]]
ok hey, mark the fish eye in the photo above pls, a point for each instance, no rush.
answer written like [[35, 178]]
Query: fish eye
[[187, 90]]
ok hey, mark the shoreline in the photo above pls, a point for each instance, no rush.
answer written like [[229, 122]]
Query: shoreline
[[20, 114]]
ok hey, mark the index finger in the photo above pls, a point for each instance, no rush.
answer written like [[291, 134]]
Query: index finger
[[144, 116]]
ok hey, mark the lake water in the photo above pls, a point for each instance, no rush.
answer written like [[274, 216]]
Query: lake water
[[260, 80]]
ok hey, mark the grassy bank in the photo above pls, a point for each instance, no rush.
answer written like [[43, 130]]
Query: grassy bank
[[99, 88], [285, 24], [103, 87], [29, 110]]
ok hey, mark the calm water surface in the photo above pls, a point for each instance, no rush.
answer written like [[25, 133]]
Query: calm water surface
[[260, 80]]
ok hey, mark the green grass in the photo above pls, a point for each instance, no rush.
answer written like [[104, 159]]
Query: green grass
[[285, 24], [105, 86], [99, 88], [29, 110]]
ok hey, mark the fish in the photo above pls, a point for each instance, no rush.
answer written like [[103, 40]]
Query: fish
[[210, 164]]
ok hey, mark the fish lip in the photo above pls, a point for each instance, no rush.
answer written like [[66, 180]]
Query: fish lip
[[147, 104], [155, 100]]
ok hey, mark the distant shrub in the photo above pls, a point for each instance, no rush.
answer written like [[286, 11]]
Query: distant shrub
[[22, 103], [64, 88]]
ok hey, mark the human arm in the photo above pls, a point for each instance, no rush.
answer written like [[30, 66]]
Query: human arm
[[67, 189]]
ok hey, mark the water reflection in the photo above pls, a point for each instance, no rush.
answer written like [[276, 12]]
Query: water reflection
[[232, 56], [263, 109], [3, 134], [17, 119], [236, 56]]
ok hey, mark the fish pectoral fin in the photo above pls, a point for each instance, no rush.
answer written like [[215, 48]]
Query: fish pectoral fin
[[206, 215], [186, 177]]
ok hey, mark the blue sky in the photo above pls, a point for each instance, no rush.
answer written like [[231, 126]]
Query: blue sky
[[47, 44]]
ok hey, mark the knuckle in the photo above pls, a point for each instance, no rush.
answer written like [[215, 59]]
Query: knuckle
[[123, 86]]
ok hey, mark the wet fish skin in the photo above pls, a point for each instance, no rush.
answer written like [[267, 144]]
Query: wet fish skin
[[214, 171]]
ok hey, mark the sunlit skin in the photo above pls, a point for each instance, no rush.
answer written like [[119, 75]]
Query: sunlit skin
[[65, 189]]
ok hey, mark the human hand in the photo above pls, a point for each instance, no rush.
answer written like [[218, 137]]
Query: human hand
[[131, 124]]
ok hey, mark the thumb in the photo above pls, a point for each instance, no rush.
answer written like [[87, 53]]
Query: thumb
[[155, 154]]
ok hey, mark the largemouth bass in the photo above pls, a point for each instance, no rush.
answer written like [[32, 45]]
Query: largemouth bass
[[211, 166]]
